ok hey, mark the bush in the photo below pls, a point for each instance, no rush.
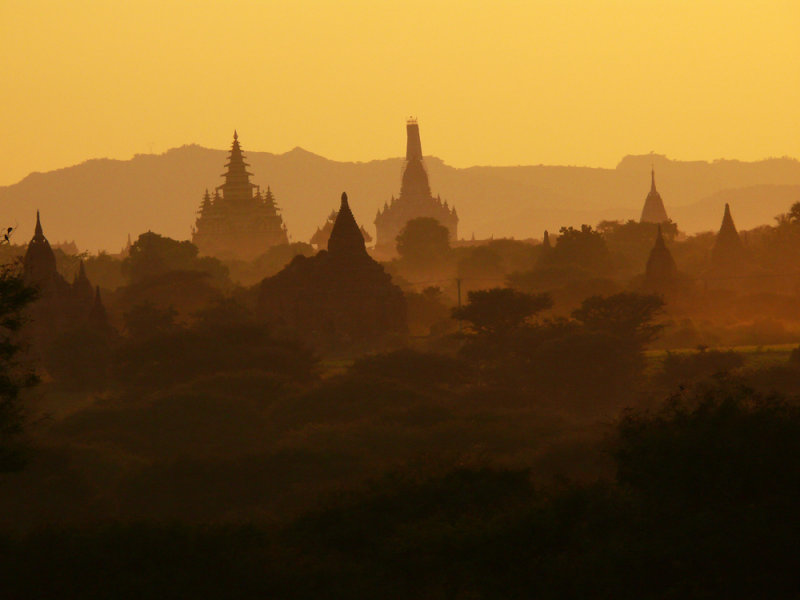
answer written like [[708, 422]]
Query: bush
[[692, 367]]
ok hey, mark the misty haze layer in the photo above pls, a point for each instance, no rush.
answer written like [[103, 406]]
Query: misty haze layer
[[99, 202]]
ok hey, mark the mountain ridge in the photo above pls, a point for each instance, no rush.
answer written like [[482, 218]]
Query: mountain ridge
[[99, 201]]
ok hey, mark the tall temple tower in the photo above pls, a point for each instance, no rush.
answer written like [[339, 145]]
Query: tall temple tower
[[415, 199], [653, 211], [60, 305], [39, 263], [338, 298], [728, 252], [661, 272], [238, 221]]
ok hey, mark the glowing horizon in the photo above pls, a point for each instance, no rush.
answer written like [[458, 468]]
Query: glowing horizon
[[492, 84]]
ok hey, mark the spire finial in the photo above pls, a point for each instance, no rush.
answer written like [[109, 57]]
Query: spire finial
[[346, 238], [235, 135], [38, 231]]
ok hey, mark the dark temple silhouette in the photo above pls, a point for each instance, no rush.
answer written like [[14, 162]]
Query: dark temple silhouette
[[337, 298], [415, 199], [239, 222]]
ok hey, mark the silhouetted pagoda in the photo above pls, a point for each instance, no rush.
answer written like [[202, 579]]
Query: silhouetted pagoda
[[728, 252], [546, 245], [39, 264], [239, 222], [338, 298], [661, 273], [415, 199], [321, 235], [82, 292], [60, 305], [98, 318], [653, 210]]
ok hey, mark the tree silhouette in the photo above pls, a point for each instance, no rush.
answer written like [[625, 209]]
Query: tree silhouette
[[15, 296], [628, 316], [584, 247], [500, 311], [153, 255], [423, 240]]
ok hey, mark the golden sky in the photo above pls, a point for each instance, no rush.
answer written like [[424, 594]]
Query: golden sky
[[493, 83]]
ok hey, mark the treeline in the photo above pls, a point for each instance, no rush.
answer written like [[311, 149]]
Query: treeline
[[702, 503]]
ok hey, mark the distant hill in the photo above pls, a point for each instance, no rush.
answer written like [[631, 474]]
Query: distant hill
[[98, 202]]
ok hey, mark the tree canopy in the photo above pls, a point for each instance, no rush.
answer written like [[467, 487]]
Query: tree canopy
[[153, 255], [422, 240], [15, 296], [500, 310]]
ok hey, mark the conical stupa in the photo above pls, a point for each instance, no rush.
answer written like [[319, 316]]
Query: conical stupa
[[653, 210]]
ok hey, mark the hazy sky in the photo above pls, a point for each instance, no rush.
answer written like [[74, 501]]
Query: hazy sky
[[555, 82]]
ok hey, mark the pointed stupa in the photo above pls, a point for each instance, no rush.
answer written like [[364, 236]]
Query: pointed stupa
[[205, 205], [98, 318], [728, 250], [546, 241], [269, 199], [661, 271], [237, 186], [415, 178], [82, 290], [346, 238], [415, 200], [40, 262], [653, 211]]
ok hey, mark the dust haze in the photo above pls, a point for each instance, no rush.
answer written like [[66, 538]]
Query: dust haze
[[232, 373]]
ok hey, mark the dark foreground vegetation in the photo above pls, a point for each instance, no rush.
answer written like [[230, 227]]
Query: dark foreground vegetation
[[703, 504], [537, 442]]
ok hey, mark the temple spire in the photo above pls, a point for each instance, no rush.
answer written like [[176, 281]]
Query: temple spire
[[98, 318], [661, 271], [38, 234], [237, 186], [82, 289], [205, 205], [727, 221], [653, 210], [81, 271], [728, 250], [415, 179], [346, 237], [39, 262], [413, 143]]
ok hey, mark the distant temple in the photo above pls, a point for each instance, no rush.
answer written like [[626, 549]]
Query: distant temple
[[653, 211], [661, 273], [415, 199], [546, 245], [39, 264], [239, 222], [60, 305], [338, 298], [321, 235], [728, 252]]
